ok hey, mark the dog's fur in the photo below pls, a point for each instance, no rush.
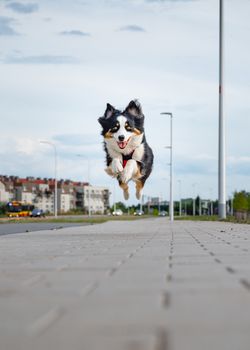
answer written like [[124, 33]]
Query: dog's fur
[[128, 156]]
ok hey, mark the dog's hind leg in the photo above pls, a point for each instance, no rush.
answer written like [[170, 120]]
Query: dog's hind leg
[[139, 186], [124, 186]]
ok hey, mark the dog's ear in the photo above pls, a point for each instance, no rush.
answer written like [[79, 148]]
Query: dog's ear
[[109, 111], [107, 114], [134, 108]]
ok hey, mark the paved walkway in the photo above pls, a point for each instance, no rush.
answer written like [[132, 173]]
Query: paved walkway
[[141, 285], [10, 228]]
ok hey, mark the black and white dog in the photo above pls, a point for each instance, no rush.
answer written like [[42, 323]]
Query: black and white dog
[[128, 156]]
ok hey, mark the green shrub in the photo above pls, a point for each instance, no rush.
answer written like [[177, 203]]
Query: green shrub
[[241, 201]]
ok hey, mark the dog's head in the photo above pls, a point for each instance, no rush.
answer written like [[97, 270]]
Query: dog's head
[[121, 129]]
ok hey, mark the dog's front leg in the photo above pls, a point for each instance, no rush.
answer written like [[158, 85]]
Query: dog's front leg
[[129, 171], [117, 167]]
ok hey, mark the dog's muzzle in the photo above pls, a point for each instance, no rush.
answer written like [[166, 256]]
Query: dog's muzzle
[[122, 144]]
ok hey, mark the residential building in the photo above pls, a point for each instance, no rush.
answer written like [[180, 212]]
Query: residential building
[[97, 198], [6, 188], [5, 196], [71, 195]]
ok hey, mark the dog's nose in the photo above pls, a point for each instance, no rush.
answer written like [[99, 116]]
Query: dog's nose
[[121, 137]]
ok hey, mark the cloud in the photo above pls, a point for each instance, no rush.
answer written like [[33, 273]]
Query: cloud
[[23, 8], [5, 26], [132, 28], [198, 164], [40, 59], [21, 145], [239, 165], [162, 1], [74, 33], [26, 146], [77, 139]]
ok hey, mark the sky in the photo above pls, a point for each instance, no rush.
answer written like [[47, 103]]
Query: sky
[[62, 61]]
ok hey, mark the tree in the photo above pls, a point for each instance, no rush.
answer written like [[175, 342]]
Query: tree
[[2, 208], [120, 205], [241, 201]]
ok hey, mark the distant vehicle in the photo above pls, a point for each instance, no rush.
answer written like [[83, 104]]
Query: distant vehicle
[[16, 209], [117, 212], [139, 212], [37, 213], [162, 213]]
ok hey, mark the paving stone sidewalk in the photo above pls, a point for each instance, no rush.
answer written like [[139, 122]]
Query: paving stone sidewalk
[[140, 285]]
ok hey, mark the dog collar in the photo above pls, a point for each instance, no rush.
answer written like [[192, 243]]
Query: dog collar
[[125, 158]]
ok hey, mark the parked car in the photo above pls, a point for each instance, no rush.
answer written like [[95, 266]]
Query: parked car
[[117, 212], [139, 212], [37, 213], [162, 213]]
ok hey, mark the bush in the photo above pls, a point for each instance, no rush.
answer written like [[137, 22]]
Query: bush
[[155, 212], [2, 208], [241, 201]]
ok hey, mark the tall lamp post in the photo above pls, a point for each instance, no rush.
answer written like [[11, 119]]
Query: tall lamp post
[[194, 199], [83, 156], [222, 132], [55, 154], [180, 204], [211, 201], [171, 206], [114, 196]]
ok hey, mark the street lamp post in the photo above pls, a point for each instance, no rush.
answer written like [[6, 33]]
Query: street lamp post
[[180, 204], [199, 205], [83, 156], [55, 193], [211, 200], [171, 206], [222, 132], [114, 196], [232, 207], [149, 201], [194, 199]]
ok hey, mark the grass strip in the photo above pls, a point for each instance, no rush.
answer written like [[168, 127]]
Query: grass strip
[[76, 220]]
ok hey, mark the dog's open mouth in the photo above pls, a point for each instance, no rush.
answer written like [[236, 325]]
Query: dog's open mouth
[[122, 144]]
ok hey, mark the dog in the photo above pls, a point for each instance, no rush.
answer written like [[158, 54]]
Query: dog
[[128, 156]]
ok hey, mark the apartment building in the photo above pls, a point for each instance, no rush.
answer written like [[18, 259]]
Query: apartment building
[[70, 194], [95, 198], [6, 188]]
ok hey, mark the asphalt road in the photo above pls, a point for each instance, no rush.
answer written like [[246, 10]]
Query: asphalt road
[[6, 229]]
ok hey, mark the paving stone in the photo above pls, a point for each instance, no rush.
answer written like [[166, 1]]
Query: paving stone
[[139, 285]]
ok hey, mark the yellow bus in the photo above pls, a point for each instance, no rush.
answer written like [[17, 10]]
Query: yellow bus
[[16, 209]]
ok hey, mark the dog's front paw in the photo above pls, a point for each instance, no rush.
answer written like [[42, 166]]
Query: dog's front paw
[[117, 166], [129, 170], [126, 175]]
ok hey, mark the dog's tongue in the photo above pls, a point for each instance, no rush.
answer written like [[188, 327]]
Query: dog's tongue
[[122, 144]]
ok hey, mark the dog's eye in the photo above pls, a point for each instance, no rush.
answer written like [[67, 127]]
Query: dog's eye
[[115, 128], [128, 127]]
